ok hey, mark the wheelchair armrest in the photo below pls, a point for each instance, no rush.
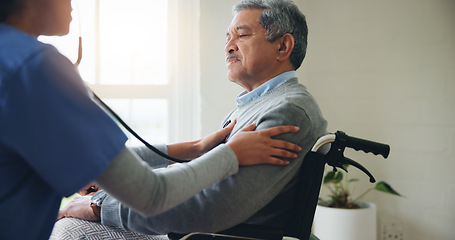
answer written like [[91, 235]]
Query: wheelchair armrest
[[241, 231]]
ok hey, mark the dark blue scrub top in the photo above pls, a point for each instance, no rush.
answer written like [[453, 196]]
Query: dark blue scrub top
[[53, 138]]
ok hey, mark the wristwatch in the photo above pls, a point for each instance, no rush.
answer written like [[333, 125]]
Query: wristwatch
[[96, 201]]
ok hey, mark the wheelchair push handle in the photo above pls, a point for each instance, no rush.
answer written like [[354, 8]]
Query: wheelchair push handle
[[362, 144]]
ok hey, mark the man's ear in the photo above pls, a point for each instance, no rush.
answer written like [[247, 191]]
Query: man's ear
[[286, 45]]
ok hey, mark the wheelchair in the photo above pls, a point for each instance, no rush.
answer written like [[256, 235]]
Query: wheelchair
[[309, 184]]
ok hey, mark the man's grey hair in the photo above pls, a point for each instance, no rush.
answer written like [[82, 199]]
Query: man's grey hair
[[278, 18]]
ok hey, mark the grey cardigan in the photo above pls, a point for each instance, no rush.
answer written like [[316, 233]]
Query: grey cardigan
[[246, 196]]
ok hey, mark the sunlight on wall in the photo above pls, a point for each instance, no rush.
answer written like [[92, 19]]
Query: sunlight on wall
[[130, 42], [125, 46]]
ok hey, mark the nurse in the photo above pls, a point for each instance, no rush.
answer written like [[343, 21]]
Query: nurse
[[54, 139]]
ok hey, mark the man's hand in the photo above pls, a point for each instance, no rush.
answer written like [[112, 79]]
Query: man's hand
[[256, 147], [79, 207]]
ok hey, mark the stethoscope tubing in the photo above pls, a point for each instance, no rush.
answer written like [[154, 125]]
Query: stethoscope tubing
[[129, 129]]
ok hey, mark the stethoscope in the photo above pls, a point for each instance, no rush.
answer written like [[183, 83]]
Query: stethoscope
[[129, 129], [115, 115]]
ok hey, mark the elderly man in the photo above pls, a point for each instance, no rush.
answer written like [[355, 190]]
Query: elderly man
[[266, 42]]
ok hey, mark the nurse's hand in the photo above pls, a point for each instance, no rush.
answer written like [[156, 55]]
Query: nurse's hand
[[194, 149], [256, 147], [210, 141]]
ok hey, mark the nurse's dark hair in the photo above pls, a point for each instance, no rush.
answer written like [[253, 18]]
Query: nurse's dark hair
[[8, 7], [278, 18]]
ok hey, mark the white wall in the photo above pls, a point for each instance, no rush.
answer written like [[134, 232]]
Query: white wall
[[381, 70], [217, 92]]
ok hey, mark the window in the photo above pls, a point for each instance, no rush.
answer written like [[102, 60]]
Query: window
[[135, 59]]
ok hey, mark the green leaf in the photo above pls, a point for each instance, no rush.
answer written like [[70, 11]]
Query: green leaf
[[353, 180], [338, 176], [328, 177], [385, 187], [333, 177]]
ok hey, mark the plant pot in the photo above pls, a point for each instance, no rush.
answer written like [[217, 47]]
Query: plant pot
[[345, 224]]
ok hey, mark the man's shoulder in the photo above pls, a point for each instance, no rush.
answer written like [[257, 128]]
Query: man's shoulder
[[294, 105], [293, 94]]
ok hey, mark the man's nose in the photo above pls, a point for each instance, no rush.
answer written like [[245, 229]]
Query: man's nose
[[230, 47]]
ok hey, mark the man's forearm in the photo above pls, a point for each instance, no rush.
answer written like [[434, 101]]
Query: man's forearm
[[151, 158], [217, 207]]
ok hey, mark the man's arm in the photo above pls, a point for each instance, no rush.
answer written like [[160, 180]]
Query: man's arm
[[130, 180], [150, 157], [227, 202]]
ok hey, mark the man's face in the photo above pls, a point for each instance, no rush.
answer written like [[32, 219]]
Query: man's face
[[250, 58]]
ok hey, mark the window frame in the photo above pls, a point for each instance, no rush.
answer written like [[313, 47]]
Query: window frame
[[183, 89]]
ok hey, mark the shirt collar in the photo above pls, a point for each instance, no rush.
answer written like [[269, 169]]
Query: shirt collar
[[271, 84]]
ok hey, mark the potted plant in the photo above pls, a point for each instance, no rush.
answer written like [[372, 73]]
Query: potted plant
[[344, 217]]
